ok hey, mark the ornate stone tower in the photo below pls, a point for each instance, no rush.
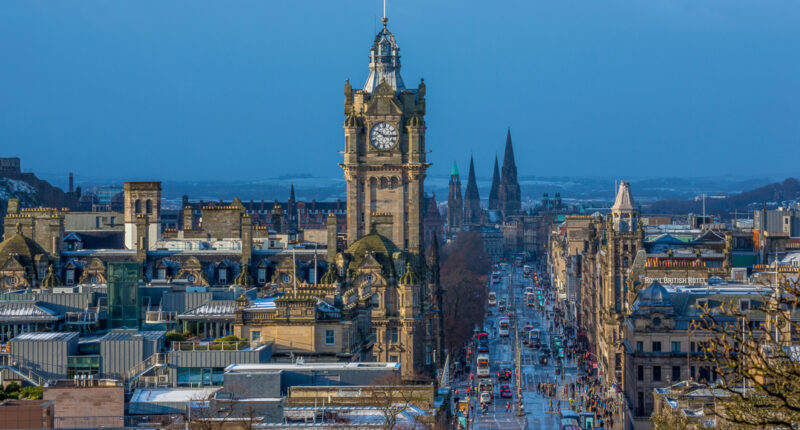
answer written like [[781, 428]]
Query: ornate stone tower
[[472, 203], [142, 199], [494, 203], [621, 239], [455, 205], [509, 192], [384, 149]]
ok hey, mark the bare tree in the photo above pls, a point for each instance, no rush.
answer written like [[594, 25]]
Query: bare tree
[[756, 366], [223, 413], [393, 396], [463, 275]]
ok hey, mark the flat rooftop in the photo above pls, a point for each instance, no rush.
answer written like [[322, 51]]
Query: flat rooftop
[[311, 366]]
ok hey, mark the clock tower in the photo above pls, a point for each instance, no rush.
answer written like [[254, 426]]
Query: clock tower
[[384, 151]]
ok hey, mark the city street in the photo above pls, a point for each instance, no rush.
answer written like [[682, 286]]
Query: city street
[[539, 411]]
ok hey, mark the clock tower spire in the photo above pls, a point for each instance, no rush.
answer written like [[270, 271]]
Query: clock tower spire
[[384, 150]]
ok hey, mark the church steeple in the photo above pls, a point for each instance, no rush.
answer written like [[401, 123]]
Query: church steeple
[[510, 200], [472, 204], [455, 205], [494, 204], [509, 166]]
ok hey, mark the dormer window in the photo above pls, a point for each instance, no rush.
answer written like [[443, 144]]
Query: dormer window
[[744, 305], [223, 275], [262, 276], [656, 321], [70, 276]]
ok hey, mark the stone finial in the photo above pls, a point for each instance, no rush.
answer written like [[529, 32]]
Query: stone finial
[[409, 276]]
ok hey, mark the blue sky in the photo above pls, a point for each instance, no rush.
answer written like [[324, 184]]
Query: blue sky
[[253, 89]]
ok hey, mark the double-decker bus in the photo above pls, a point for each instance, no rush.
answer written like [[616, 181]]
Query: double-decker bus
[[482, 368], [504, 327]]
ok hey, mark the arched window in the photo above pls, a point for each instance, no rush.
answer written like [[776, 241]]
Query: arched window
[[148, 205], [137, 207]]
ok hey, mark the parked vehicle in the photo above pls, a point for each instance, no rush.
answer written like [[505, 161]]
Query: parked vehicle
[[492, 299]]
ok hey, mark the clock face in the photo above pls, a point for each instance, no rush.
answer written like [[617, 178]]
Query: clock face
[[383, 136]]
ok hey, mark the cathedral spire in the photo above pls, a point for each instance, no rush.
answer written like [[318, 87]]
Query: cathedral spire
[[455, 204], [509, 166], [472, 206], [494, 204], [509, 196]]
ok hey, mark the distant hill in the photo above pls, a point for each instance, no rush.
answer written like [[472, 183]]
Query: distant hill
[[746, 201], [32, 192]]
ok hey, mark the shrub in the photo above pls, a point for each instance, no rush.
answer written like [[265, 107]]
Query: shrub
[[174, 336], [12, 387], [33, 393]]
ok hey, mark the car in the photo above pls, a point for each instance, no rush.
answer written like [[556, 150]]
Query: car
[[483, 348], [504, 374], [505, 392]]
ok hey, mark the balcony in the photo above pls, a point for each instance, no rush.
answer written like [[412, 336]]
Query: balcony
[[81, 318], [237, 345]]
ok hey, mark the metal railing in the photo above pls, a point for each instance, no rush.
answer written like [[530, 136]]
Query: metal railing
[[235, 345], [159, 316], [84, 317], [23, 369], [155, 360]]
